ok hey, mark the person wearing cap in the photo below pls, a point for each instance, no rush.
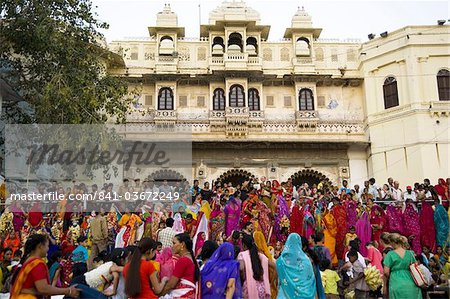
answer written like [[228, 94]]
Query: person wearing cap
[[409, 194]]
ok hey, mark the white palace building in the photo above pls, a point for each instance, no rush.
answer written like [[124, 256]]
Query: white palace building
[[311, 109]]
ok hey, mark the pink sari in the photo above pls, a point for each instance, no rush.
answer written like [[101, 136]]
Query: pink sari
[[232, 213], [427, 229], [352, 214], [394, 217], [165, 259], [412, 227], [364, 232]]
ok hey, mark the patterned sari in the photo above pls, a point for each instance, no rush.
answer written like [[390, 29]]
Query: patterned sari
[[412, 227], [282, 215], [378, 219], [340, 216], [394, 217], [217, 221], [352, 214]]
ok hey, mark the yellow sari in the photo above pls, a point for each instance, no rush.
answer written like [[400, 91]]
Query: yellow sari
[[261, 243], [22, 277]]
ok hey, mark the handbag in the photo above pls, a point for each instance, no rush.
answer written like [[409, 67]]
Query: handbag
[[417, 274]]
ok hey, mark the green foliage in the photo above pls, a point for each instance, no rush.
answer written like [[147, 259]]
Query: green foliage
[[52, 54]]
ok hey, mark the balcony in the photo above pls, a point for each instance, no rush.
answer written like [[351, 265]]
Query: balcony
[[304, 65], [165, 117], [236, 61], [166, 64], [307, 120]]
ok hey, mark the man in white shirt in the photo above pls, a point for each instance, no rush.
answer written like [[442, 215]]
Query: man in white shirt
[[358, 192], [166, 235], [397, 193], [409, 194]]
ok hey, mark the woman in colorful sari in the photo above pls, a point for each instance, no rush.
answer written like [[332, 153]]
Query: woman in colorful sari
[[282, 214], [129, 224], [340, 216], [442, 189], [330, 231], [352, 214], [427, 228], [255, 211], [186, 274], [394, 223], [217, 220], [266, 194], [364, 232], [295, 272], [232, 213], [18, 216], [276, 188], [32, 280], [441, 223], [378, 223], [308, 219], [166, 262], [255, 270], [412, 227], [220, 275], [261, 243], [289, 193], [297, 219]]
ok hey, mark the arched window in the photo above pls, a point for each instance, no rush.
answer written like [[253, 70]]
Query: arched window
[[302, 47], [253, 99], [443, 82], [237, 96], [235, 42], [217, 46], [165, 99], [219, 99], [166, 46], [390, 93], [252, 46], [306, 99]]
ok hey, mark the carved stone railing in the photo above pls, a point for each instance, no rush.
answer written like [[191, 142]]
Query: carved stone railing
[[165, 117], [236, 111], [166, 59], [440, 108], [217, 114], [217, 60], [304, 60], [235, 56], [307, 120], [254, 60]]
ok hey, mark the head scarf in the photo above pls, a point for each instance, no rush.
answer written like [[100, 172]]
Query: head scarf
[[165, 259], [206, 209], [199, 242], [295, 271], [364, 232], [261, 243], [218, 270]]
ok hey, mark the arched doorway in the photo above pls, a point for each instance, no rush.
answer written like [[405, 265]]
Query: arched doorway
[[235, 176], [311, 177], [166, 174]]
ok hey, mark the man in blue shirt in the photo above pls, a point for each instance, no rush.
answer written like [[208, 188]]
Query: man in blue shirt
[[80, 256]]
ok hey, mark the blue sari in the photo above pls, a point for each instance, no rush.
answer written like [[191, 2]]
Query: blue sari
[[217, 271], [296, 277], [441, 224]]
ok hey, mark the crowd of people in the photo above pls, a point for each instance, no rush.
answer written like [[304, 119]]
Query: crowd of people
[[258, 239]]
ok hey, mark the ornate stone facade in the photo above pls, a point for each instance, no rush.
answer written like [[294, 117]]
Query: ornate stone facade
[[299, 103]]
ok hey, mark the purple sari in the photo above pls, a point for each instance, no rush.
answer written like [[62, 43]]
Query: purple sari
[[283, 210], [232, 214], [364, 232], [18, 217], [352, 214], [218, 270], [412, 227]]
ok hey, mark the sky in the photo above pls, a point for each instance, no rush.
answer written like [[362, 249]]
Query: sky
[[339, 19]]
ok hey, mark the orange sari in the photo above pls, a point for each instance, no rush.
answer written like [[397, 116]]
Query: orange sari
[[330, 232], [22, 277]]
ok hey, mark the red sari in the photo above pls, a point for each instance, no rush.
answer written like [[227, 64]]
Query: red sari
[[297, 220], [340, 216], [378, 223], [427, 229]]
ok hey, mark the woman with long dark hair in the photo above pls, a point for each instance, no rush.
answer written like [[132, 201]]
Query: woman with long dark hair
[[141, 277], [32, 279], [254, 268], [186, 273]]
